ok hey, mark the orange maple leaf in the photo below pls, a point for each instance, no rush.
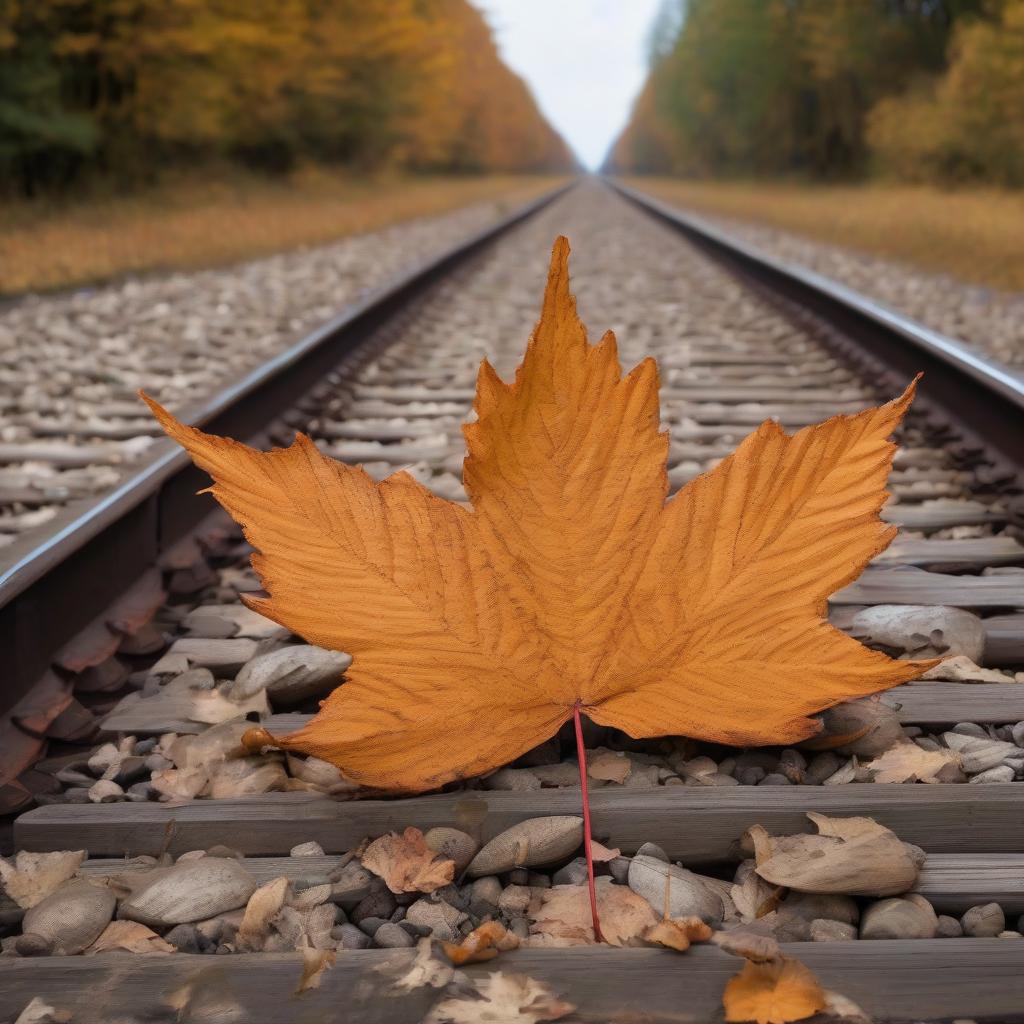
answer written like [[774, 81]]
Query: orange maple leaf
[[570, 583], [779, 992]]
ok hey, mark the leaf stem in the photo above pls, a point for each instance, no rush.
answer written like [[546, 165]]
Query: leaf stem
[[587, 849]]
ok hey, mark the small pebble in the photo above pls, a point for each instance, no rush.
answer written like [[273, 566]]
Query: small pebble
[[984, 921], [31, 944], [309, 849], [185, 938], [350, 937], [514, 900], [823, 930], [393, 936], [653, 850]]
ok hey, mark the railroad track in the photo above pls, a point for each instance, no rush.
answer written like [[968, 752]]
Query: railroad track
[[104, 616]]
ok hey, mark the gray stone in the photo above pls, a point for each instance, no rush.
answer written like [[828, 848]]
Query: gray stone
[[999, 776], [574, 873], [970, 729], [530, 843], [393, 936], [484, 894], [827, 930], [72, 917], [898, 918], [924, 631], [309, 849], [188, 891], [978, 754], [291, 674], [351, 884], [440, 919], [185, 938], [652, 850], [688, 895], [32, 944], [775, 779], [719, 779], [452, 844], [812, 905], [948, 928], [821, 766], [512, 780], [877, 721], [984, 921], [453, 896], [370, 925], [514, 900], [378, 904], [348, 936], [618, 868]]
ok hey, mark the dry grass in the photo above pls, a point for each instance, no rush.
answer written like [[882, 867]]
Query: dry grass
[[974, 235], [197, 223]]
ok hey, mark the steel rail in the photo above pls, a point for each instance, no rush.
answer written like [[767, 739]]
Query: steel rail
[[985, 400], [55, 587]]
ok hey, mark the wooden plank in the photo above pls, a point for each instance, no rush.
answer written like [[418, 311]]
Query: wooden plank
[[955, 882], [952, 882], [978, 979], [695, 391], [920, 704], [1004, 640], [941, 514], [691, 824], [975, 553], [906, 585], [942, 704]]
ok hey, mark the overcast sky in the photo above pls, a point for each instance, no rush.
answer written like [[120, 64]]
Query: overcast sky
[[585, 61]]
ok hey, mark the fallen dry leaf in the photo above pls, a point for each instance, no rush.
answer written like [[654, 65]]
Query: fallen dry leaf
[[678, 932], [600, 854], [501, 998], [751, 895], [39, 1012], [907, 762], [570, 582], [407, 864], [856, 856], [483, 943], [129, 936], [212, 707], [314, 963], [778, 992], [426, 970], [263, 904], [564, 918], [28, 878]]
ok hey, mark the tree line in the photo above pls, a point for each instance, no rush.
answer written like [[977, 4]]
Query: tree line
[[121, 89], [924, 90]]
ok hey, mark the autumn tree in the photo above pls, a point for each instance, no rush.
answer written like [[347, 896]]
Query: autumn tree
[[124, 88], [779, 86], [966, 124]]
